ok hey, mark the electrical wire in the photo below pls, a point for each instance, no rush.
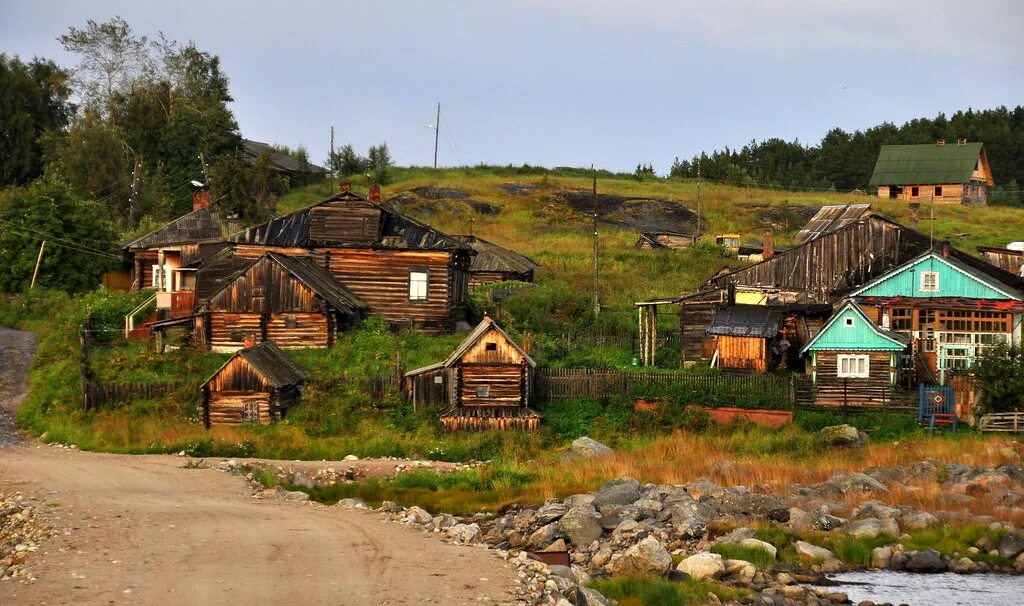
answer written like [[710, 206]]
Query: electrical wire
[[57, 241]]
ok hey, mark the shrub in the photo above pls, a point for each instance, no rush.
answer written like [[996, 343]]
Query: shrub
[[1000, 374]]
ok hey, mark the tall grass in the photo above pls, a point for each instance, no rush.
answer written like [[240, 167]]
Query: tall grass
[[647, 591]]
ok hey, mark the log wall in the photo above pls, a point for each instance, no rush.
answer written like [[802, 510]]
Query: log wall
[[506, 385], [832, 390], [226, 408], [310, 330], [743, 353], [227, 331]]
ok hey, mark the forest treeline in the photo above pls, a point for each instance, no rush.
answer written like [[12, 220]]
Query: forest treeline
[[844, 161]]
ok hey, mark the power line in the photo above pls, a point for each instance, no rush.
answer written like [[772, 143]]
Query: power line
[[36, 234]]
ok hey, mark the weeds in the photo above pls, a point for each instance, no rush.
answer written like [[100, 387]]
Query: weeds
[[647, 591], [760, 558]]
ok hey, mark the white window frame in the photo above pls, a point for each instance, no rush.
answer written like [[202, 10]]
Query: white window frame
[[849, 323], [419, 284], [934, 277], [153, 280], [857, 366]]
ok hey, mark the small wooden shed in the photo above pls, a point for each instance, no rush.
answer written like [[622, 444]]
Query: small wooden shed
[[484, 384], [258, 384]]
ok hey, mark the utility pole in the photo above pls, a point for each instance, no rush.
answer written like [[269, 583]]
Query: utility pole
[[206, 175], [330, 164], [135, 190], [697, 235], [39, 260], [597, 277], [437, 131]]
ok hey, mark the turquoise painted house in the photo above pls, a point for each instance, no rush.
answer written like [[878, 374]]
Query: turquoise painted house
[[854, 362], [951, 310]]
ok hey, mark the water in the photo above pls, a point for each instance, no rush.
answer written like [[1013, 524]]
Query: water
[[945, 589]]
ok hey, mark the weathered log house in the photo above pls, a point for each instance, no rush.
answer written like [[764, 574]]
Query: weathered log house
[[854, 362], [1009, 259], [484, 383], [406, 273], [940, 173], [256, 385], [830, 218], [493, 263], [282, 298]]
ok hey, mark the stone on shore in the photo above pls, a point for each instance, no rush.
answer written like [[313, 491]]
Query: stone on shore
[[703, 566], [586, 448], [813, 552], [648, 557]]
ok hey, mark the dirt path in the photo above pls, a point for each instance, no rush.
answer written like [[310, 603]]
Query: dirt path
[[145, 530], [16, 351]]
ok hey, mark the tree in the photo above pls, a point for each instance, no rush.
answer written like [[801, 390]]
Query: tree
[[33, 102], [249, 192], [380, 161], [80, 244], [112, 58], [999, 372], [345, 162]]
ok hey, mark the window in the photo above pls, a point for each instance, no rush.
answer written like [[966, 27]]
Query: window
[[155, 279], [852, 366], [491, 347], [914, 192], [250, 412], [938, 191], [848, 322], [236, 335], [291, 322], [418, 285], [902, 319], [438, 379], [483, 391], [929, 281]]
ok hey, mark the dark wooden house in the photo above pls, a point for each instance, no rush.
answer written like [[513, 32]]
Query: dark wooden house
[[405, 272], [943, 173], [256, 385], [830, 218], [664, 239], [493, 263], [484, 383], [1010, 259], [282, 298], [854, 362]]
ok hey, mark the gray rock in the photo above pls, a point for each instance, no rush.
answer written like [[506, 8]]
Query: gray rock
[[464, 534], [703, 566], [913, 519], [620, 491], [353, 504], [875, 509], [828, 522], [295, 495], [578, 499], [1010, 546], [691, 528], [926, 560], [581, 525], [418, 515], [444, 520], [686, 509], [544, 536], [759, 544], [963, 566], [564, 572], [585, 448], [551, 512], [869, 528], [760, 505], [809, 551], [840, 436], [648, 557], [585, 596], [857, 481], [303, 481], [737, 534], [391, 507], [881, 557]]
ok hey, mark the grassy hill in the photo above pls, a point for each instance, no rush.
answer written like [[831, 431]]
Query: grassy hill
[[529, 211]]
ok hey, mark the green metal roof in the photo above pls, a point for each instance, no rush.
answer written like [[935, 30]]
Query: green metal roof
[[926, 164]]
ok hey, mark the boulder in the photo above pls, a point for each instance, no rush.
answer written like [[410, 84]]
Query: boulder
[[760, 505], [869, 528], [648, 557], [737, 534], [464, 534], [551, 512], [840, 436], [353, 504], [1010, 546], [703, 566], [585, 596], [691, 528], [857, 481], [303, 481], [809, 551], [875, 509], [444, 520], [581, 525], [913, 519], [296, 495], [963, 566], [926, 560], [544, 536], [686, 509], [881, 557], [620, 491], [759, 544], [418, 515], [585, 448], [391, 507], [743, 570]]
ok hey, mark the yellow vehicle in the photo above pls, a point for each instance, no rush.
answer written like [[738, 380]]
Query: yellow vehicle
[[730, 242]]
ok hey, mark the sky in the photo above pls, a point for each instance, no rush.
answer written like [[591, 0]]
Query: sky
[[571, 82]]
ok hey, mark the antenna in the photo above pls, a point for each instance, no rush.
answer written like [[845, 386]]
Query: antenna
[[597, 287], [437, 131]]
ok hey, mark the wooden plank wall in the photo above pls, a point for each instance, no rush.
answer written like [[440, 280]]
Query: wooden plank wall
[[349, 221], [875, 390], [311, 330], [506, 385], [222, 325], [742, 353], [226, 407], [563, 383]]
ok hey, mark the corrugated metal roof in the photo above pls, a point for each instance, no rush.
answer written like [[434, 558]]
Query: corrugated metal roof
[[200, 225], [830, 218], [397, 231], [321, 281], [493, 258], [926, 164], [760, 321], [282, 163]]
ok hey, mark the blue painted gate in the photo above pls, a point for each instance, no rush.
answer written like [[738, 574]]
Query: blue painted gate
[[936, 406]]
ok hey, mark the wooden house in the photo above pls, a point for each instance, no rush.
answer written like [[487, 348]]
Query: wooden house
[[406, 273], [942, 173], [484, 383], [830, 218], [854, 362], [745, 337], [493, 263], [1010, 259], [256, 385], [282, 298], [664, 239], [952, 310]]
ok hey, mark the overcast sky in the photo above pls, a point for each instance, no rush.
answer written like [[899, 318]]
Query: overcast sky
[[572, 82]]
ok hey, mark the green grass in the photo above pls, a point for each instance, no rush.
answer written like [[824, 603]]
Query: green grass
[[643, 591], [760, 558]]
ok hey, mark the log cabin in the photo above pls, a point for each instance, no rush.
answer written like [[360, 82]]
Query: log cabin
[[853, 361], [493, 263], [941, 173], [258, 384], [951, 310], [1009, 259], [282, 298], [484, 383], [406, 272]]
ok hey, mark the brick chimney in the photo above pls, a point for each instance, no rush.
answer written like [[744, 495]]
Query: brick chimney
[[200, 198], [375, 193], [946, 248], [912, 219], [346, 187], [769, 245]]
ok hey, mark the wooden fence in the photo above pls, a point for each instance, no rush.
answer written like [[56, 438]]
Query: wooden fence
[[558, 383], [96, 395], [1002, 421]]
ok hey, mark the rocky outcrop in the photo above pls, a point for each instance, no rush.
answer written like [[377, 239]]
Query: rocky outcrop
[[586, 448]]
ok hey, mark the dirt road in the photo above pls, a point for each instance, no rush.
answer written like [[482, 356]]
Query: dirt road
[[145, 530]]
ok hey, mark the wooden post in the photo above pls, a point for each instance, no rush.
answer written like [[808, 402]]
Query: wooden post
[[39, 259]]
